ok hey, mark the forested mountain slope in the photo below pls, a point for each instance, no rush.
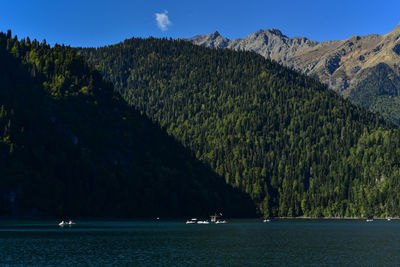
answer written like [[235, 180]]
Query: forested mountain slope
[[296, 147], [378, 91], [345, 66], [70, 146]]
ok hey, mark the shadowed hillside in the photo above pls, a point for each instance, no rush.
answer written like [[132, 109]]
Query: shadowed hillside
[[70, 146]]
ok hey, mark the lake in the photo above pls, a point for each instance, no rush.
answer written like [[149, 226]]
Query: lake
[[296, 242]]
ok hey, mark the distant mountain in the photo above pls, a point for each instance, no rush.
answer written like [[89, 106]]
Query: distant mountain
[[296, 147], [71, 146], [271, 44], [214, 40], [342, 65]]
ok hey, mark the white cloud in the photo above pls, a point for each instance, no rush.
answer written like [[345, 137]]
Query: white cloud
[[163, 21]]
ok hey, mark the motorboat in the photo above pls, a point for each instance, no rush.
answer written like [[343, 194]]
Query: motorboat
[[191, 221], [219, 221], [62, 223], [203, 222], [266, 220], [70, 222]]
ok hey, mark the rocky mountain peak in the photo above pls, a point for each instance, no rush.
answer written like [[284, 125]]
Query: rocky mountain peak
[[275, 32], [213, 40], [215, 34]]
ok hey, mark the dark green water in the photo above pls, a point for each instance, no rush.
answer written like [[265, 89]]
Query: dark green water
[[239, 243]]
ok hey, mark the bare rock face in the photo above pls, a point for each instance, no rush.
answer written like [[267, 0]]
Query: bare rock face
[[269, 43], [213, 40], [272, 44], [336, 63]]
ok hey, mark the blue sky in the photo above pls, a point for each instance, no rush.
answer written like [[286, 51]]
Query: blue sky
[[100, 22]]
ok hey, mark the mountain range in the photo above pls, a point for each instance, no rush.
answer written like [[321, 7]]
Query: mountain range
[[348, 66]]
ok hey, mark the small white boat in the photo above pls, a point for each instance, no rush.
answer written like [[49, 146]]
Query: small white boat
[[389, 219], [369, 220], [203, 222], [63, 223], [266, 220], [191, 221], [219, 221]]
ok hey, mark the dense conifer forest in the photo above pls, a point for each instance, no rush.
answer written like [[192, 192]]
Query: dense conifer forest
[[379, 92], [297, 148], [73, 143], [71, 146]]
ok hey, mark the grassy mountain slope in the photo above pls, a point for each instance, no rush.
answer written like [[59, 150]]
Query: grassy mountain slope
[[280, 136], [70, 146]]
